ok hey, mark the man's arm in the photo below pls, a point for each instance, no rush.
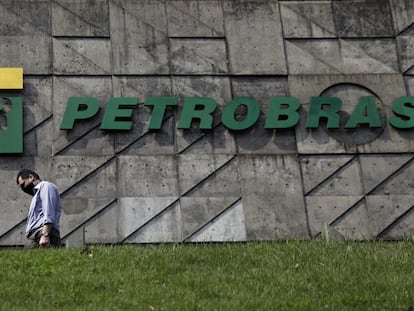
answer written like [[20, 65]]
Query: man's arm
[[50, 202], [45, 239]]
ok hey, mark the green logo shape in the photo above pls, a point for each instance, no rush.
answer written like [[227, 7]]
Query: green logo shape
[[11, 125]]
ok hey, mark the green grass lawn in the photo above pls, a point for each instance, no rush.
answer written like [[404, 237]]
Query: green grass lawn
[[292, 275]]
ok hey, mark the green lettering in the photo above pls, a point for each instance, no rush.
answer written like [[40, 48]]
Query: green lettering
[[282, 112], [79, 108], [200, 108], [118, 113], [229, 112], [159, 104], [365, 112], [403, 108], [324, 107]]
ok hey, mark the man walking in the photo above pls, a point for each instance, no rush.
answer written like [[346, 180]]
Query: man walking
[[43, 221]]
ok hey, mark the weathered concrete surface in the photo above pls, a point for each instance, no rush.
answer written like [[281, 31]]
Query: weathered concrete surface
[[81, 57], [195, 18], [348, 56], [229, 227], [25, 35], [349, 88], [265, 180], [172, 185], [363, 18], [192, 56], [250, 53], [139, 36], [80, 18], [305, 19]]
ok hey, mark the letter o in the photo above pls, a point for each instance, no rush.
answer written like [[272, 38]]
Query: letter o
[[228, 115]]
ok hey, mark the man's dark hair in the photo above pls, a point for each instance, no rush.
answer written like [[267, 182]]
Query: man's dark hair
[[24, 173]]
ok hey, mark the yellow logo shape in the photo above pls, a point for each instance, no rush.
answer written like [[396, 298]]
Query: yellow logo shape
[[11, 78]]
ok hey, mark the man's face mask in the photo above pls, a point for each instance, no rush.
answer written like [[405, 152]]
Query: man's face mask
[[29, 189]]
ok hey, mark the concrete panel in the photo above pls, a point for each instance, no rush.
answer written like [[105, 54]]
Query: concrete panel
[[141, 141], [37, 142], [384, 210], [24, 16], [198, 212], [163, 229], [345, 181], [139, 37], [89, 140], [141, 86], [93, 143], [316, 169], [195, 18], [193, 140], [369, 56], [403, 14], [400, 183], [355, 224], [76, 239], [81, 56], [217, 88], [327, 56], [147, 176], [403, 228], [208, 175], [325, 210], [406, 51], [37, 100], [272, 197], [99, 181], [103, 227], [376, 169], [68, 172], [14, 237], [254, 37], [32, 52], [15, 210], [410, 85], [80, 18], [228, 227], [363, 18], [198, 56], [260, 88], [135, 213], [24, 34], [349, 88], [307, 19], [77, 211], [319, 56]]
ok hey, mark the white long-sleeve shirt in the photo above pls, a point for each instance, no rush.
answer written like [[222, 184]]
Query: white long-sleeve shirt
[[45, 207]]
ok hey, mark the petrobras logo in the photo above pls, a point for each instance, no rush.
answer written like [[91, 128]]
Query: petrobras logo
[[11, 111]]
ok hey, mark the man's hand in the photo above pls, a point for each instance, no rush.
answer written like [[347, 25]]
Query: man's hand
[[44, 241]]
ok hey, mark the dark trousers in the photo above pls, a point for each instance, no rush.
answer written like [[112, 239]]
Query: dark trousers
[[34, 238]]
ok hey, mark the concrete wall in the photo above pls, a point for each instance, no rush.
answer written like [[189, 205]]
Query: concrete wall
[[189, 185]]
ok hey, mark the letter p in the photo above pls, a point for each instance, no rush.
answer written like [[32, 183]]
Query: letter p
[[79, 108]]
